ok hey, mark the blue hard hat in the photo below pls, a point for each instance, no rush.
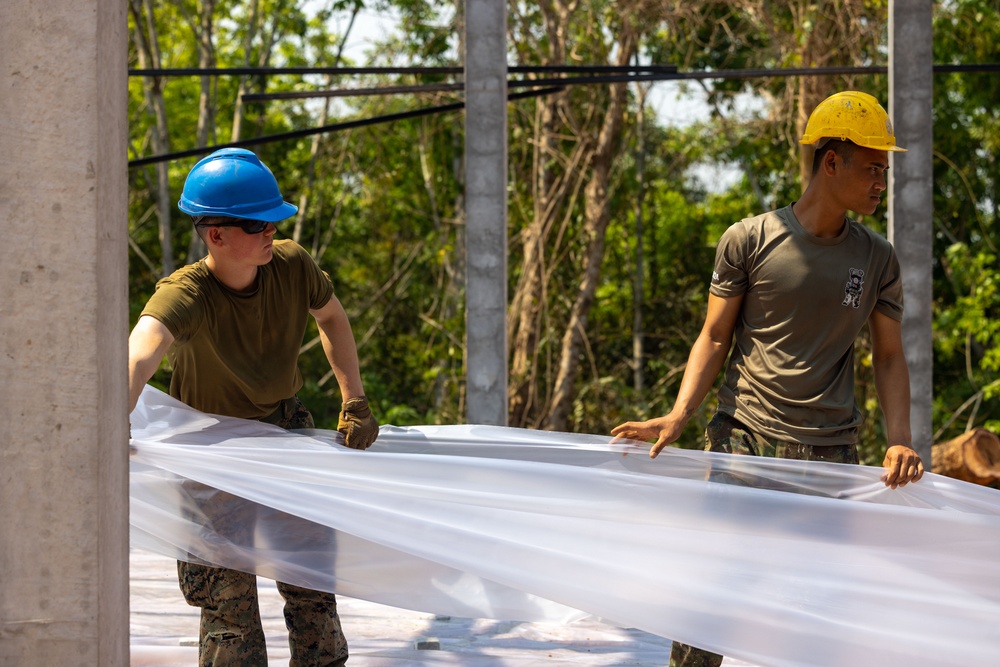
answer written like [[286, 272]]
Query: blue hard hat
[[234, 183]]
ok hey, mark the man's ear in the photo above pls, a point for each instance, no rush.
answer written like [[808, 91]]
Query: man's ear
[[213, 236], [829, 163]]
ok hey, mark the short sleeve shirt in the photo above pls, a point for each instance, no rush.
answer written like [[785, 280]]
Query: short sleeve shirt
[[235, 353], [790, 375]]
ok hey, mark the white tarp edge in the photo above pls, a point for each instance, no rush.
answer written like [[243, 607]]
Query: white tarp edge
[[771, 561]]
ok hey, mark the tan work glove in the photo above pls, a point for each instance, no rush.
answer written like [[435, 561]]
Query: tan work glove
[[357, 423]]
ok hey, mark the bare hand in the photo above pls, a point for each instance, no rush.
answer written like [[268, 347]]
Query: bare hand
[[902, 465], [662, 429]]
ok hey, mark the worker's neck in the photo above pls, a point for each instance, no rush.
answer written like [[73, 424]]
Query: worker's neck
[[237, 277], [819, 216]]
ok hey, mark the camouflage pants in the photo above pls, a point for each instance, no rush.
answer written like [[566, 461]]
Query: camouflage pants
[[231, 634], [725, 434]]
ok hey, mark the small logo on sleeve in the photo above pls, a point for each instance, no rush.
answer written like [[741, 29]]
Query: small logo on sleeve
[[854, 288], [715, 276]]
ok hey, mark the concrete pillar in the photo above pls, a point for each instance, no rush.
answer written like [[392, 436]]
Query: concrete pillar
[[911, 179], [63, 334], [486, 210]]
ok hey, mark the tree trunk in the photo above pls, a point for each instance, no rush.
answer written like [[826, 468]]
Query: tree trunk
[[300, 218], [251, 31], [638, 365], [971, 457], [529, 295], [203, 27], [148, 51], [597, 215], [549, 191], [206, 60]]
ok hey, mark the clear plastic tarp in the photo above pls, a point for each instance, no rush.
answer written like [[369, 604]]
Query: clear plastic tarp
[[774, 562]]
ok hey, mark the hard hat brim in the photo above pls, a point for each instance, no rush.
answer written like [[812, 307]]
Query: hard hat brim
[[822, 141], [278, 213]]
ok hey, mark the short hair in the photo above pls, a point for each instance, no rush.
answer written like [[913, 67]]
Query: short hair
[[841, 147], [209, 220], [202, 222]]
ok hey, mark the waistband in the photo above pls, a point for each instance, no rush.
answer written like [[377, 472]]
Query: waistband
[[285, 410]]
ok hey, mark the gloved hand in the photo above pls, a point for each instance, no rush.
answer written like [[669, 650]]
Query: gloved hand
[[357, 423]]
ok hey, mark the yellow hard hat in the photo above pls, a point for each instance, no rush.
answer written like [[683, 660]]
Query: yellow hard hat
[[852, 116]]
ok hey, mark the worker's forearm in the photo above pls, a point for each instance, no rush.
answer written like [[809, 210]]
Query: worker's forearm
[[892, 382], [147, 345], [342, 353], [343, 360], [138, 375], [704, 363]]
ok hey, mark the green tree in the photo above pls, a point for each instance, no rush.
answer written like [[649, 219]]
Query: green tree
[[381, 206], [966, 226]]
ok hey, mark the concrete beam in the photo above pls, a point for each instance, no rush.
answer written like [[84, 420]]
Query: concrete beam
[[911, 68], [486, 211], [63, 334]]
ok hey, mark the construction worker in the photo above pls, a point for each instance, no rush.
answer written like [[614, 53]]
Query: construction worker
[[232, 325], [790, 292]]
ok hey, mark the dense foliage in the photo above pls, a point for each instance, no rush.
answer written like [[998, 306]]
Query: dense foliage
[[594, 172]]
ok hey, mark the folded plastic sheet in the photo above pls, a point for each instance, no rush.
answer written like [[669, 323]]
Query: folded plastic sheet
[[771, 561]]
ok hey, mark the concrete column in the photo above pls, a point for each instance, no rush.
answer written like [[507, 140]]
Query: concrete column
[[486, 210], [911, 69], [63, 334]]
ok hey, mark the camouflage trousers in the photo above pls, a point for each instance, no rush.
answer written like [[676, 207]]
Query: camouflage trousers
[[725, 434], [231, 634]]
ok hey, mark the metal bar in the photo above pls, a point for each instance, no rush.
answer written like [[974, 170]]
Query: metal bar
[[346, 125]]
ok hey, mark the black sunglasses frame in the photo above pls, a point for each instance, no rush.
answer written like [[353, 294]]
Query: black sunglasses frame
[[248, 226]]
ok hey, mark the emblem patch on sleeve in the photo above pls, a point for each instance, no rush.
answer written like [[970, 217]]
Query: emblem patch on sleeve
[[854, 288]]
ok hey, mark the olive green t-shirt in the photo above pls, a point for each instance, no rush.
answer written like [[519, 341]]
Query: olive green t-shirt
[[236, 354], [805, 299]]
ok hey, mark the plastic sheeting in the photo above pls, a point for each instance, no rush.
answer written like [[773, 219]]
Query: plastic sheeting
[[771, 561]]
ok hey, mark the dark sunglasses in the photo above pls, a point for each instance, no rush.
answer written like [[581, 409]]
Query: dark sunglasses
[[248, 226]]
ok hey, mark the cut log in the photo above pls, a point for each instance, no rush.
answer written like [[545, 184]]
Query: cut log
[[971, 457]]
